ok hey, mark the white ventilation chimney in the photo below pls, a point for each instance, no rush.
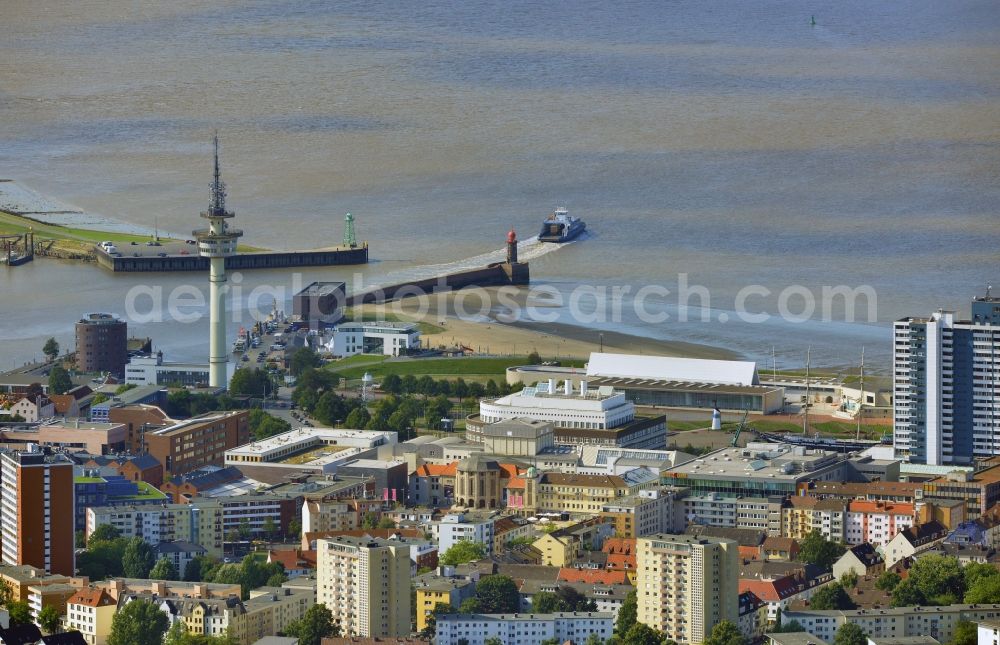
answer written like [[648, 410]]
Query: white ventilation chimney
[[552, 386], [568, 387], [583, 388]]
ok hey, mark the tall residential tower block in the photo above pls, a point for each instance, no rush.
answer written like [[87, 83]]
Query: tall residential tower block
[[946, 386]]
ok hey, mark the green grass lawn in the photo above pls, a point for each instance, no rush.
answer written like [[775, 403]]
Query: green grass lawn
[[16, 224], [355, 367]]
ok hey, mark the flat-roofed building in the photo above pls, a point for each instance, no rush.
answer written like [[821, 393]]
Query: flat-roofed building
[[365, 583], [517, 437], [383, 338], [523, 629], [37, 511], [22, 578], [101, 344], [758, 470], [433, 588], [153, 370], [300, 441], [668, 381], [579, 416], [686, 584], [320, 302], [979, 489], [199, 441], [893, 622], [563, 492], [76, 434], [657, 510]]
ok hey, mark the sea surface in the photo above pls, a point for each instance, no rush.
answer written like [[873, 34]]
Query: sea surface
[[735, 143]]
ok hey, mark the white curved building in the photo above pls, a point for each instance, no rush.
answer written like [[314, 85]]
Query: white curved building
[[567, 408]]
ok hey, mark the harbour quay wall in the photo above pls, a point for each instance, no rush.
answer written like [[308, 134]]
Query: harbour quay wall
[[238, 262], [493, 275]]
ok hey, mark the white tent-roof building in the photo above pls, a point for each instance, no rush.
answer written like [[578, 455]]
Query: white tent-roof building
[[665, 368]]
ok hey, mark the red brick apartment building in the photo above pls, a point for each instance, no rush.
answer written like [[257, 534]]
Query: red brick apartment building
[[199, 441]]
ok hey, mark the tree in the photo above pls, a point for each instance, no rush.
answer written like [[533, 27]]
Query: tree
[[493, 640], [250, 381], [177, 634], [974, 571], [295, 528], [104, 533], [887, 581], [850, 634], [849, 580], [938, 580], [725, 633], [545, 602], [59, 381], [99, 398], [192, 572], [643, 634], [593, 639], [33, 391], [163, 570], [565, 598], [269, 527], [906, 594], [435, 410], [832, 596], [462, 552], [139, 622], [244, 529], [386, 523], [302, 360], [315, 625], [534, 358], [102, 558], [49, 619], [20, 613], [357, 418], [470, 606], [985, 590], [497, 595], [263, 425], [392, 384], [6, 593], [789, 627], [816, 549], [965, 633], [137, 559], [628, 613], [51, 349]]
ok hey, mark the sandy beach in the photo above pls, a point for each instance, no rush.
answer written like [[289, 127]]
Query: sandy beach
[[550, 340]]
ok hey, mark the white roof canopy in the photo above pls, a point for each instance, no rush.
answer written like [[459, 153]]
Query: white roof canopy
[[663, 368]]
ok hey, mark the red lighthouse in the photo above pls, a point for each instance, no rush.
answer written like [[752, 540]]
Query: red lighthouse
[[512, 247]]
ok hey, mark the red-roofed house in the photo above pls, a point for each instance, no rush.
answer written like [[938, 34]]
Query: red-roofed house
[[778, 593], [621, 553], [90, 612], [66, 405], [593, 576], [433, 485], [877, 522], [296, 561]]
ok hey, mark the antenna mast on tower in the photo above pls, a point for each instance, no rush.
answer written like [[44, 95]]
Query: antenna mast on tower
[[805, 417], [861, 397]]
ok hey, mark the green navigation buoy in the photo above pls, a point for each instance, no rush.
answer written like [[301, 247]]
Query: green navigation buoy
[[812, 21]]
